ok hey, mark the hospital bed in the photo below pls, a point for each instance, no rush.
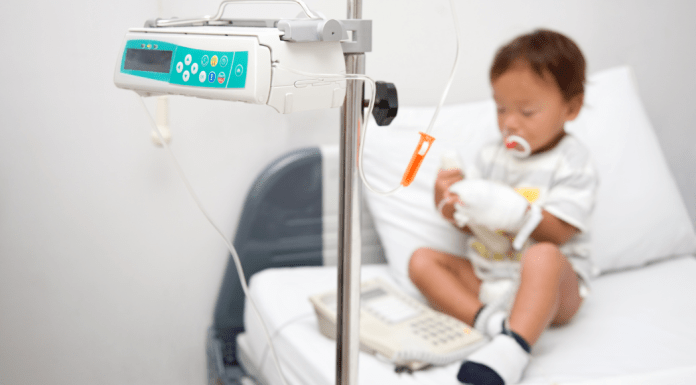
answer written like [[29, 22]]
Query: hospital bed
[[635, 327]]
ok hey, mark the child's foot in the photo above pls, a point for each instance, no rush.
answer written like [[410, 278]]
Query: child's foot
[[497, 298], [501, 362], [489, 320]]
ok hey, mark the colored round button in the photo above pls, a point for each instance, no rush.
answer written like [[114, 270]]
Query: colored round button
[[239, 70], [194, 68], [179, 67], [214, 60], [221, 77], [202, 77], [223, 61], [204, 60], [187, 59], [186, 76], [211, 77]]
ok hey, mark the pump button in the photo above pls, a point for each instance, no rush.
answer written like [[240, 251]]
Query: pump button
[[186, 76], [179, 67]]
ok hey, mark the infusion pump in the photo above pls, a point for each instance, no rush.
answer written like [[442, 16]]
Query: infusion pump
[[247, 64]]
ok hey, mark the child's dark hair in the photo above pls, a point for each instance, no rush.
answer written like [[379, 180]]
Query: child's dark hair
[[543, 51]]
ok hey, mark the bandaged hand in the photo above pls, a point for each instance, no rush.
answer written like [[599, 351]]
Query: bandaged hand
[[490, 204]]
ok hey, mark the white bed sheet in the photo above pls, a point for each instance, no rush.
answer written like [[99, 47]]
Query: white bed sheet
[[635, 324]]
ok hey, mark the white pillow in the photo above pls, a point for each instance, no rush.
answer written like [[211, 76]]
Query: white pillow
[[639, 216]]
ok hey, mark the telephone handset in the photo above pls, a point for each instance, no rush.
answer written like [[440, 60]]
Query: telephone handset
[[398, 327]]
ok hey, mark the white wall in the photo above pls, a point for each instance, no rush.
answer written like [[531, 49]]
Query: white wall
[[108, 273]]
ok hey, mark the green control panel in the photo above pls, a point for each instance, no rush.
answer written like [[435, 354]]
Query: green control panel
[[185, 66]]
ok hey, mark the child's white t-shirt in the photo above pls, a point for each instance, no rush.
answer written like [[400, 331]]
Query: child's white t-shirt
[[563, 181]]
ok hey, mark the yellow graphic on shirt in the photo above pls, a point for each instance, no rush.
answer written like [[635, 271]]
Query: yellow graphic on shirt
[[487, 252], [531, 194]]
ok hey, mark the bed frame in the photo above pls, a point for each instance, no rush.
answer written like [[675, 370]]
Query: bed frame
[[289, 219]]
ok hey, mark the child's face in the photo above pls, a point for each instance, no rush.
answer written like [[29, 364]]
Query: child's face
[[532, 107]]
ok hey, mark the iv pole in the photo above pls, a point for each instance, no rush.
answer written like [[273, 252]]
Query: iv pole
[[349, 241]]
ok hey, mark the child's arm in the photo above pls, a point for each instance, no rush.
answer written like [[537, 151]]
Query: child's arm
[[550, 229], [553, 230], [498, 206]]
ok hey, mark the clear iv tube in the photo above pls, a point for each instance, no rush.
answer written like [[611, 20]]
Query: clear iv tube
[[426, 139], [363, 132], [365, 118], [454, 68], [230, 246]]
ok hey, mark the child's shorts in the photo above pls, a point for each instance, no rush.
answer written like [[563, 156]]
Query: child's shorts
[[502, 291]]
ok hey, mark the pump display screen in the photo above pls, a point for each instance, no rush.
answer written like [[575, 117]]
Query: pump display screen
[[148, 60], [184, 66]]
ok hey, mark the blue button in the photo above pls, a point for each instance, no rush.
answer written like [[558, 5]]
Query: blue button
[[211, 77]]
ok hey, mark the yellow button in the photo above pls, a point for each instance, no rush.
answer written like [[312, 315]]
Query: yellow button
[[214, 61]]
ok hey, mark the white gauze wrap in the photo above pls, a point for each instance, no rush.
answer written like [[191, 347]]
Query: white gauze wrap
[[495, 206]]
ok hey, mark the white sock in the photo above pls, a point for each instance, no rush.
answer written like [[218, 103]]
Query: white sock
[[490, 321], [501, 362], [497, 296]]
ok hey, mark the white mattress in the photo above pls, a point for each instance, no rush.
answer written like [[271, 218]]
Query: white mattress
[[636, 327]]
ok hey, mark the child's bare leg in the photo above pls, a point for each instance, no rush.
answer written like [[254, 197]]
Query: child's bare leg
[[548, 292], [447, 282]]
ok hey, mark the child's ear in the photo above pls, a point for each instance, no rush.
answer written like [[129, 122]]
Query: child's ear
[[574, 106]]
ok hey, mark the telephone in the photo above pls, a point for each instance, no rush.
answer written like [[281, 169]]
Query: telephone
[[398, 327]]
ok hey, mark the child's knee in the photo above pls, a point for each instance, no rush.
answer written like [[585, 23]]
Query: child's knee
[[543, 256], [420, 262]]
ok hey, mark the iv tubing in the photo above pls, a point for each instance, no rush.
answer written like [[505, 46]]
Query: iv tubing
[[365, 117], [363, 132], [411, 170], [230, 246], [454, 69], [345, 76]]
